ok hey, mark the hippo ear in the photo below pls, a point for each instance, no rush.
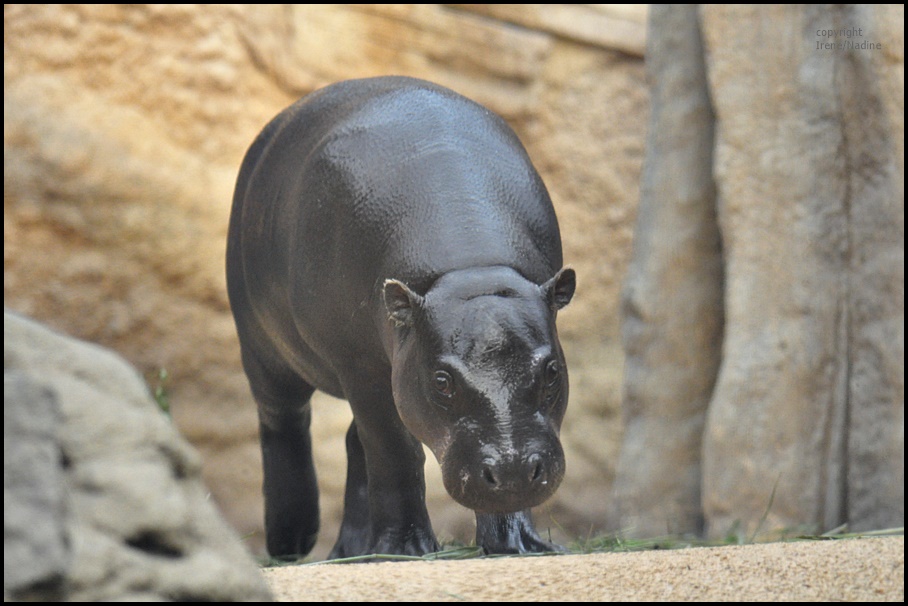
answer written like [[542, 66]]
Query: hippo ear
[[560, 290], [400, 302]]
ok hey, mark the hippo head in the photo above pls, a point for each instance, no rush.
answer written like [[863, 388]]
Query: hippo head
[[479, 377]]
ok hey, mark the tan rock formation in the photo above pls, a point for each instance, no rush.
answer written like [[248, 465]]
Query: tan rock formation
[[124, 127]]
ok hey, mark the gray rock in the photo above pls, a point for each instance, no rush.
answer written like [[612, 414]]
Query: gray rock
[[120, 506], [36, 550]]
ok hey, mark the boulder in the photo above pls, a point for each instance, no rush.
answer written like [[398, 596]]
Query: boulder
[[36, 550], [103, 500]]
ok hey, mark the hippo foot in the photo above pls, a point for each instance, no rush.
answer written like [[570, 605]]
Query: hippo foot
[[350, 543], [411, 542], [290, 547], [510, 533]]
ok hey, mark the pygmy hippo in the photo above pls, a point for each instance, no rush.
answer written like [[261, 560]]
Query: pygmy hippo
[[391, 244]]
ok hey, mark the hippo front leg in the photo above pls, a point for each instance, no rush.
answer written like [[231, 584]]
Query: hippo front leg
[[510, 533], [395, 484]]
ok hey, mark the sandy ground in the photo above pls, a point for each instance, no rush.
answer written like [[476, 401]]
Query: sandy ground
[[849, 569]]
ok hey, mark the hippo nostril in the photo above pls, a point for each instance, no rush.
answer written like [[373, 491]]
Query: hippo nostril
[[534, 463], [489, 476], [537, 472]]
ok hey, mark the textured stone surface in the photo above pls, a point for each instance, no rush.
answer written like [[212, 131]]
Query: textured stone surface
[[36, 550], [807, 412], [811, 207], [118, 508], [673, 313], [124, 127]]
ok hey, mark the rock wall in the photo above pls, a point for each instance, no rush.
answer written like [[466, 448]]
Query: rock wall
[[799, 417], [124, 127]]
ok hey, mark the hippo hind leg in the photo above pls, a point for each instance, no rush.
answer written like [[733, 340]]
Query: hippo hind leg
[[356, 526], [290, 488]]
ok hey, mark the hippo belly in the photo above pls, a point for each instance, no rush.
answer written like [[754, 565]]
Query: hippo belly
[[391, 244]]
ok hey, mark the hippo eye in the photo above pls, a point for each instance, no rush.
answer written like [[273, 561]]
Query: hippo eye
[[444, 383], [552, 373]]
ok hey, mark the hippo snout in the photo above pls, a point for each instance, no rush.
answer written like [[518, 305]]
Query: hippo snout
[[504, 484]]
